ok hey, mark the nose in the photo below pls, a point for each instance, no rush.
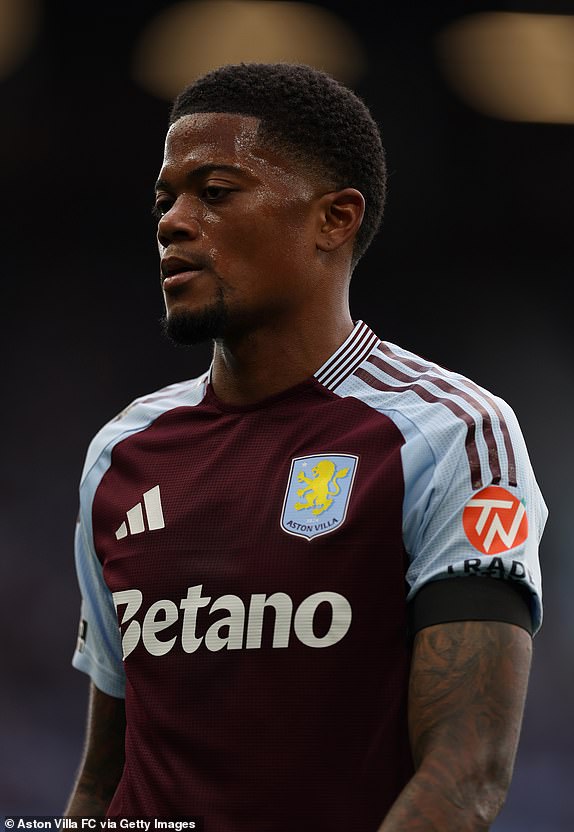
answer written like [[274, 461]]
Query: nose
[[179, 223]]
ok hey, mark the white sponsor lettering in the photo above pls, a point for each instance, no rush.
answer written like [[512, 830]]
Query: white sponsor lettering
[[133, 598], [228, 632]]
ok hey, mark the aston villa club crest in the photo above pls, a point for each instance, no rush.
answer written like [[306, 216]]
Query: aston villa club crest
[[318, 493]]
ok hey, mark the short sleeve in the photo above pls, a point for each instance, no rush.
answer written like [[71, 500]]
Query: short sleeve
[[478, 518], [98, 650]]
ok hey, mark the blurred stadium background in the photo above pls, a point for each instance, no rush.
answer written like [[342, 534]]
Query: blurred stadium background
[[473, 269]]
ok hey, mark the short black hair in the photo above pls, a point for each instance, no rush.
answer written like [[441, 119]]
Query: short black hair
[[321, 122]]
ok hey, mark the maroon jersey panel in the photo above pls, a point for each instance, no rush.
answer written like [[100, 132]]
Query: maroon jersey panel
[[263, 614]]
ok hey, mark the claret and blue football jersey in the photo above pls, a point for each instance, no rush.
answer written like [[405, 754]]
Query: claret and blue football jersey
[[251, 578]]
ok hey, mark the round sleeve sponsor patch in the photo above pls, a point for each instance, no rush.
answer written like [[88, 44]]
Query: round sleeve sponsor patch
[[495, 521]]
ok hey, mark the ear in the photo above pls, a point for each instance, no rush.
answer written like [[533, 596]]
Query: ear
[[341, 216]]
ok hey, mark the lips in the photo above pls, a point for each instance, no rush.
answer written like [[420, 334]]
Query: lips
[[171, 265], [176, 271]]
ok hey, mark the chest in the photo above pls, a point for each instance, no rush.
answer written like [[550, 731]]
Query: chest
[[253, 502]]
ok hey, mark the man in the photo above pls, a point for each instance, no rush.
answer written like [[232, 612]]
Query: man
[[311, 574]]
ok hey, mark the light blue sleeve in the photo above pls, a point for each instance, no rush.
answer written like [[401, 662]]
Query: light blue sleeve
[[98, 650], [454, 529]]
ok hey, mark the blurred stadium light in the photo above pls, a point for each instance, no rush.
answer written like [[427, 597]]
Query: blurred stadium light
[[517, 67], [19, 26], [190, 38]]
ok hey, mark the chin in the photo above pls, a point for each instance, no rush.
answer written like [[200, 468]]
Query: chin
[[185, 327]]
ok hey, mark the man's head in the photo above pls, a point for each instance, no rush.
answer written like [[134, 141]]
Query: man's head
[[304, 111], [272, 186]]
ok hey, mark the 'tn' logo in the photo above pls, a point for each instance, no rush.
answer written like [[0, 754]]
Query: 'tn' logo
[[495, 520]]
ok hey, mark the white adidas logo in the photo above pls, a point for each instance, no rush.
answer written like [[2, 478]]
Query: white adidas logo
[[135, 516]]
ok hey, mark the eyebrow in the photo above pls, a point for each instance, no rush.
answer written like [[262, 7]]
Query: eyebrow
[[199, 172]]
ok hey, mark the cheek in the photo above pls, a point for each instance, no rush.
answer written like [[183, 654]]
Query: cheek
[[251, 241], [283, 235], [269, 241]]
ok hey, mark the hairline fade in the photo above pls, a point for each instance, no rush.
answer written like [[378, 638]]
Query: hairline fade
[[306, 112]]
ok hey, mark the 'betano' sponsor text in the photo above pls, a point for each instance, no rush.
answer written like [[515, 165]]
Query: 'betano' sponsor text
[[241, 628]]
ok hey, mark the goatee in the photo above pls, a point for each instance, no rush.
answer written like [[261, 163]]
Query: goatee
[[186, 328]]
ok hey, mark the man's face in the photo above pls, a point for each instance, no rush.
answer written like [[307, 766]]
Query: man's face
[[236, 230]]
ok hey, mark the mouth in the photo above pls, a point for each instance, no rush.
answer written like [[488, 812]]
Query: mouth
[[176, 271]]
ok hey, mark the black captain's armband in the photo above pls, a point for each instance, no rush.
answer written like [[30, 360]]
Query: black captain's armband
[[470, 599]]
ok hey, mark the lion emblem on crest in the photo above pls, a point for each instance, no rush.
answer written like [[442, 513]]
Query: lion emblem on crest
[[316, 488]]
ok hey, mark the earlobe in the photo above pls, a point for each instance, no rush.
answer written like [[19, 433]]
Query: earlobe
[[341, 218]]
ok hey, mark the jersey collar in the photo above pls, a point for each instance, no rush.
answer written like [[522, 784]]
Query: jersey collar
[[352, 352]]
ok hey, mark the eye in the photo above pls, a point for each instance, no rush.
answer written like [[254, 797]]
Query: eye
[[160, 208], [215, 193]]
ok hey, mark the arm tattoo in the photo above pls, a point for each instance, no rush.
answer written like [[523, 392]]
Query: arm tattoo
[[468, 677], [466, 699]]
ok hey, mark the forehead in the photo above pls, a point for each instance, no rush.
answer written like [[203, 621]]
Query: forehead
[[209, 138]]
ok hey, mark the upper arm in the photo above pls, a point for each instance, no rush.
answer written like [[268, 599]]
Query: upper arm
[[461, 519], [467, 692]]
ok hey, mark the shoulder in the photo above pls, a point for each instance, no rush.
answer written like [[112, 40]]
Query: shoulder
[[180, 394], [468, 480], [417, 385], [140, 413], [441, 410]]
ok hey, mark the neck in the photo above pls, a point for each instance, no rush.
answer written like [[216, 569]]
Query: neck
[[270, 360]]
